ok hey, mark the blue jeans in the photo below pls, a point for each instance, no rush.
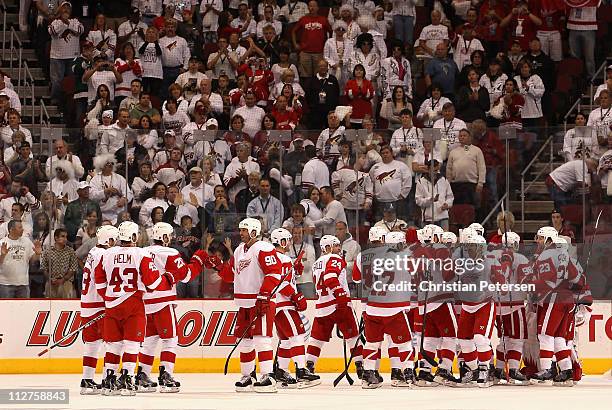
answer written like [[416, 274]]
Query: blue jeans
[[582, 46], [559, 197], [403, 27], [58, 70]]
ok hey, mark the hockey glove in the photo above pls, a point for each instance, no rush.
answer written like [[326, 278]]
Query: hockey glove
[[262, 305], [299, 301], [341, 297]]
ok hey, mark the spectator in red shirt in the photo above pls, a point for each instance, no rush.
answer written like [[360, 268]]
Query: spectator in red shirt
[[360, 92], [509, 106], [285, 119], [522, 24], [503, 218], [314, 30], [494, 155], [490, 34]]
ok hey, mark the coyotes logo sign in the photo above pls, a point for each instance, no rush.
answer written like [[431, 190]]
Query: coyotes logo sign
[[352, 187], [171, 46], [385, 176]]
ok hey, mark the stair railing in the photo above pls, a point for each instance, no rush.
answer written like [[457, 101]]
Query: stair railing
[[15, 50], [45, 120], [28, 84], [3, 10], [525, 189]]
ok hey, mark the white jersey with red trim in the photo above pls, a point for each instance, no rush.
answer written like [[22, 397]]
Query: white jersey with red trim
[[513, 267], [388, 293], [288, 287], [432, 270], [557, 276], [326, 266], [165, 259], [91, 301], [256, 269], [124, 271]]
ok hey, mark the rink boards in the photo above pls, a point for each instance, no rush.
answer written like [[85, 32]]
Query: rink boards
[[205, 336]]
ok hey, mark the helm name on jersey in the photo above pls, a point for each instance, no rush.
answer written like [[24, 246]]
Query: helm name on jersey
[[122, 258]]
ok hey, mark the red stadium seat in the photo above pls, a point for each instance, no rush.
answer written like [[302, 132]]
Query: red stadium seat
[[571, 66], [565, 83]]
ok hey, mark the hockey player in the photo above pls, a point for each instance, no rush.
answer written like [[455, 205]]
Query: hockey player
[[333, 306], [159, 308], [92, 306], [513, 266], [440, 331], [449, 239], [556, 277], [123, 274], [386, 314], [257, 272], [289, 326], [477, 315]]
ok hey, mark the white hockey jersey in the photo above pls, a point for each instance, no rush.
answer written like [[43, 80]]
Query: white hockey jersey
[[390, 181], [326, 267], [91, 301], [288, 286], [125, 271], [355, 188], [257, 269], [165, 259]]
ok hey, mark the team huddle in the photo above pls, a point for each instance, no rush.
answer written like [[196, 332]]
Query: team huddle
[[134, 288]]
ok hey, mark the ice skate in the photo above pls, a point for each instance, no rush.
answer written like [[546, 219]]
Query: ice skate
[[125, 384], [167, 384], [467, 376], [483, 376], [425, 379], [109, 384], [245, 384], [398, 379], [370, 380], [359, 369], [310, 366], [267, 384], [542, 377], [445, 378], [409, 375], [285, 380], [89, 387], [306, 379], [564, 378], [143, 383], [517, 378]]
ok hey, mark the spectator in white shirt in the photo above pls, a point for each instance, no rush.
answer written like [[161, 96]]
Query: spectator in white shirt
[[563, 180], [292, 11], [433, 34], [190, 79], [601, 118], [197, 193], [63, 185], [175, 56], [578, 140], [213, 99], [315, 173], [103, 38], [61, 153], [392, 182], [133, 30], [268, 19], [442, 198], [224, 61], [130, 69], [238, 170], [251, 113], [532, 89], [151, 58], [209, 12], [333, 212], [102, 72], [65, 32], [450, 126], [245, 21], [15, 254]]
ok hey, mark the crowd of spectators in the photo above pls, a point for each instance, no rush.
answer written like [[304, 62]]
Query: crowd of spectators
[[173, 104]]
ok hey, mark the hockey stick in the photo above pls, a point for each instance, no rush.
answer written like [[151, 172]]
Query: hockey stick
[[501, 322], [69, 335], [349, 379], [586, 267], [361, 328], [246, 329], [424, 354]]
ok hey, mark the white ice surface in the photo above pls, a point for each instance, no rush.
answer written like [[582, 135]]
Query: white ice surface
[[215, 391]]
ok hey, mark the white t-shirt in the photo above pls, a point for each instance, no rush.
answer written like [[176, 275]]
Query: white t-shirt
[[569, 174], [15, 267], [434, 35], [97, 79]]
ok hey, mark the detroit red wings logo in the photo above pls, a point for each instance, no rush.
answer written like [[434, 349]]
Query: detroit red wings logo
[[243, 264], [385, 176]]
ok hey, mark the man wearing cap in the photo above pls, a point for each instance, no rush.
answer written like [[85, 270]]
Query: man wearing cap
[[61, 153], [390, 222], [65, 32], [82, 63], [197, 193], [77, 210], [132, 30]]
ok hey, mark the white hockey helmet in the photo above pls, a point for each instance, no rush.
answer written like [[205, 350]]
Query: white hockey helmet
[[376, 234], [547, 232], [328, 240], [511, 239], [251, 224], [423, 235], [277, 236], [466, 234], [162, 231], [395, 238], [448, 238], [128, 231], [478, 228], [105, 233], [435, 232]]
